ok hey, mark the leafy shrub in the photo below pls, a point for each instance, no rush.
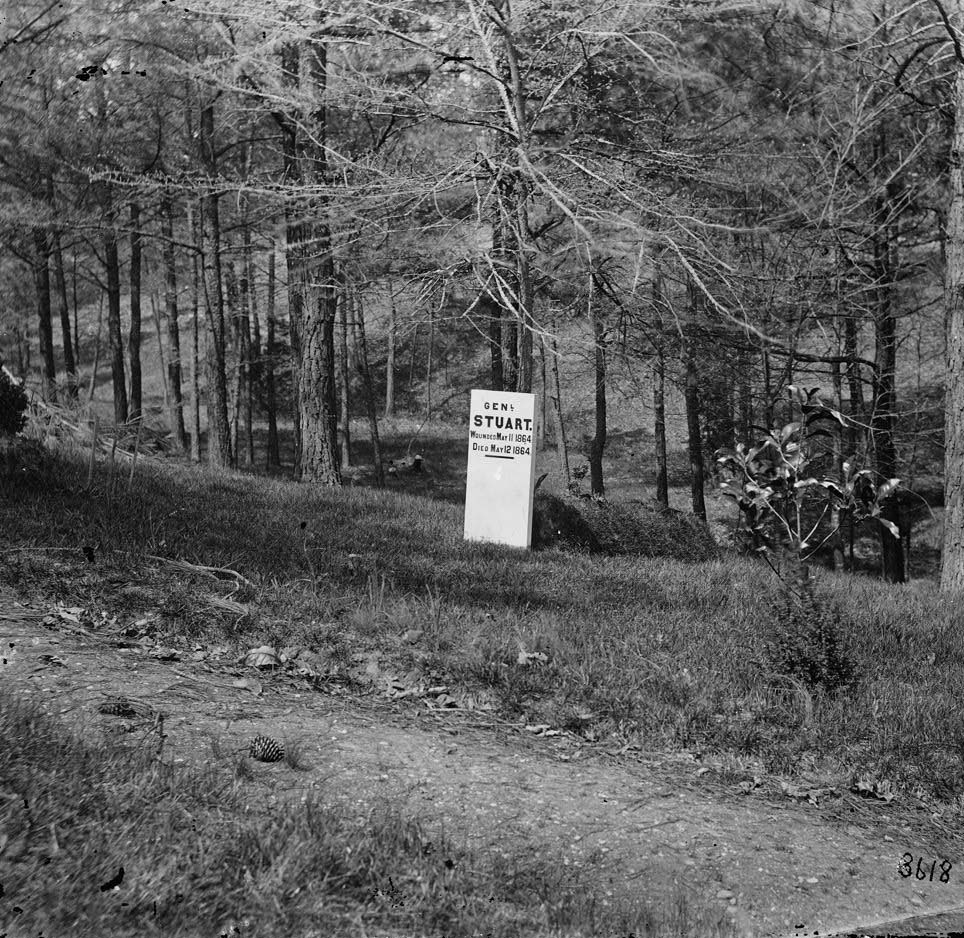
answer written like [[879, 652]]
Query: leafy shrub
[[13, 404], [808, 642]]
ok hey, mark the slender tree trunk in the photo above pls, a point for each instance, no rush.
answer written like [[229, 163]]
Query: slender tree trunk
[[540, 437], [115, 339], [659, 391], [510, 353], [76, 307], [344, 383], [694, 439], [194, 228], [134, 337], [173, 331], [60, 279], [45, 326], [161, 357], [493, 315], [598, 444], [854, 377], [273, 457], [236, 379], [952, 553], [23, 350], [56, 255], [251, 336], [219, 438], [390, 365], [836, 515], [96, 364], [319, 415], [429, 361], [885, 396], [526, 302], [294, 238], [366, 377], [562, 446]]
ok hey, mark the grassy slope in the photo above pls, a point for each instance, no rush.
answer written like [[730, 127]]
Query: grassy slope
[[657, 651]]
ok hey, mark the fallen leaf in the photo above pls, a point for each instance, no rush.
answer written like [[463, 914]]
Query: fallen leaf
[[264, 656], [165, 654], [248, 683]]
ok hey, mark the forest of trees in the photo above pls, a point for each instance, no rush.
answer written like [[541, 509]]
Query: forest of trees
[[730, 196]]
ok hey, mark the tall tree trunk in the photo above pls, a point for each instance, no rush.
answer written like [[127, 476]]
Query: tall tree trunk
[[233, 337], [855, 384], [56, 255], [526, 301], [96, 364], [540, 436], [392, 341], [562, 446], [23, 347], [319, 415], [134, 337], [294, 236], [239, 330], [219, 438], [41, 270], [952, 544], [344, 383], [173, 330], [885, 396], [161, 358], [196, 260], [510, 353], [694, 439], [252, 339], [598, 444], [76, 306], [836, 515], [60, 279], [115, 339], [493, 315], [429, 361], [659, 390], [273, 457], [365, 373]]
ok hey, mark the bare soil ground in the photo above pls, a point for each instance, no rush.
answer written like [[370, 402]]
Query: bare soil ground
[[773, 861]]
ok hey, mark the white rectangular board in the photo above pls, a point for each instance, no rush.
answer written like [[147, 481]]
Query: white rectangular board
[[501, 469]]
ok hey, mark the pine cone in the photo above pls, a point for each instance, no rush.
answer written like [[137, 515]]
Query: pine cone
[[266, 749], [123, 707]]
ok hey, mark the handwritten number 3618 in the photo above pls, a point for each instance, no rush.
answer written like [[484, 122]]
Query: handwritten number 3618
[[906, 869]]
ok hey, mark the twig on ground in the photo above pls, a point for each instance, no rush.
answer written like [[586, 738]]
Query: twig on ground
[[201, 568]]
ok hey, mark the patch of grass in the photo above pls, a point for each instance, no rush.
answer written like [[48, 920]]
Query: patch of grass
[[655, 649], [808, 642], [99, 840]]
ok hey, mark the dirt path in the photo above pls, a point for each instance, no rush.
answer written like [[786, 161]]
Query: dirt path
[[776, 866]]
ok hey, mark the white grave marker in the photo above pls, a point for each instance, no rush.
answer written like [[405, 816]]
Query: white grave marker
[[501, 476]]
